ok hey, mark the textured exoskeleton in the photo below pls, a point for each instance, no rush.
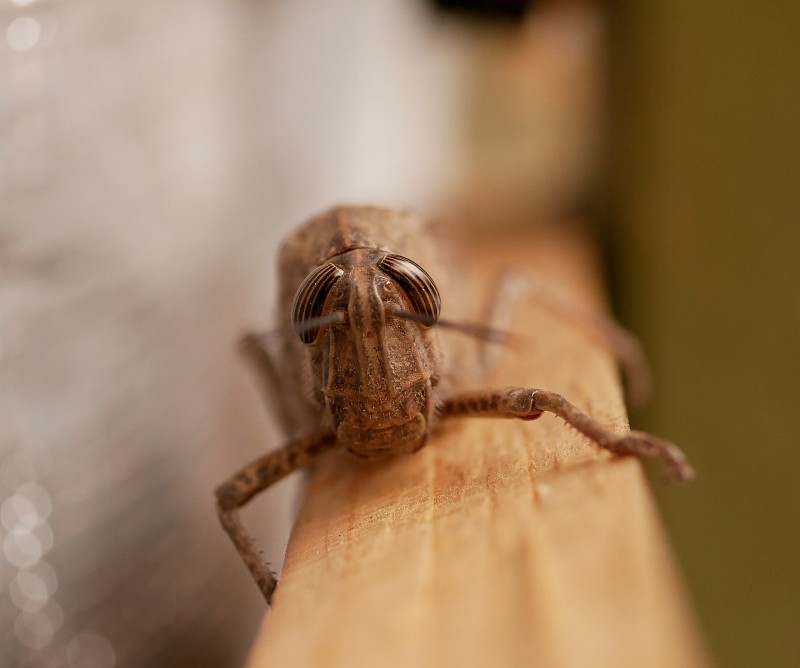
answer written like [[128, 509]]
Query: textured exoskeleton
[[361, 366]]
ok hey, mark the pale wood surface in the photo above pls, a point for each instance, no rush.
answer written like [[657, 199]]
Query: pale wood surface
[[502, 543]]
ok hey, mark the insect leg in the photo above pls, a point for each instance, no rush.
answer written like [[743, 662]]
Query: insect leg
[[512, 286], [255, 478], [262, 358], [529, 404]]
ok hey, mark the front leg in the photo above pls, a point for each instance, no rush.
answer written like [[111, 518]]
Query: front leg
[[529, 404], [255, 478]]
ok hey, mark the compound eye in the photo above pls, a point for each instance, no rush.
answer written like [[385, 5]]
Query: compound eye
[[310, 300], [416, 283]]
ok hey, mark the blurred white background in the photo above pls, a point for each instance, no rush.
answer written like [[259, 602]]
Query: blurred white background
[[152, 155]]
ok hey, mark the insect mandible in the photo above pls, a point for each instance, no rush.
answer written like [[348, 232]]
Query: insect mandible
[[361, 366]]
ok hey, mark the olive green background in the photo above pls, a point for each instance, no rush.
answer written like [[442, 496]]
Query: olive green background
[[704, 209]]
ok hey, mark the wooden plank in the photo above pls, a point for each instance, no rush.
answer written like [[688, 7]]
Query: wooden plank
[[501, 543]]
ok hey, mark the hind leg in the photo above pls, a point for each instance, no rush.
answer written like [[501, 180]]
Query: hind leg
[[259, 350], [512, 286]]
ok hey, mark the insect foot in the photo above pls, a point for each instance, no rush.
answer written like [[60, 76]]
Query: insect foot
[[641, 443]]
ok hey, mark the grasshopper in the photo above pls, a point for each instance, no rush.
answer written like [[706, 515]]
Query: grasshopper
[[362, 367]]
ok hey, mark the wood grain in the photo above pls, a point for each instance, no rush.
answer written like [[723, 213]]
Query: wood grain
[[501, 543]]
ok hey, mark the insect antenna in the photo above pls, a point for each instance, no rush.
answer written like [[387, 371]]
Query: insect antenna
[[470, 329], [311, 323], [331, 319]]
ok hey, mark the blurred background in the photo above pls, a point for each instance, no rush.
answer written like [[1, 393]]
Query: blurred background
[[153, 154]]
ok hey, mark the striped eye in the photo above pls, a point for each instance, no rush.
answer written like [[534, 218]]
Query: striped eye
[[416, 283], [310, 300]]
